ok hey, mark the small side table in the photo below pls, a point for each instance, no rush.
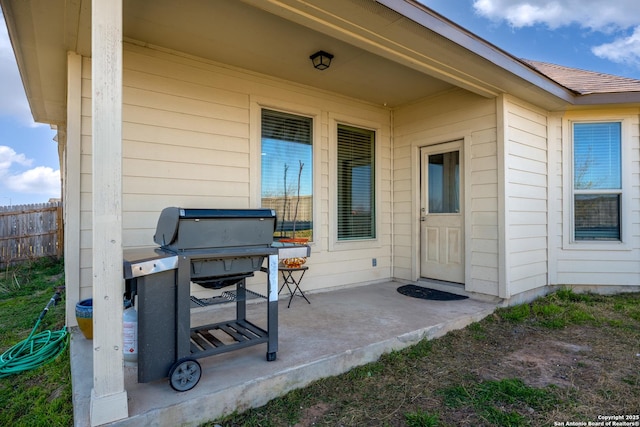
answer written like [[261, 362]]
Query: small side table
[[289, 279]]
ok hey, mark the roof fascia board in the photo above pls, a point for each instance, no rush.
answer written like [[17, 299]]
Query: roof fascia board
[[451, 31], [608, 98]]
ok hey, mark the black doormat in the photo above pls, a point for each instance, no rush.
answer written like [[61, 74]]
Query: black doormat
[[430, 294]]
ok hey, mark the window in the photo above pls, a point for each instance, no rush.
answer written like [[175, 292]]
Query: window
[[597, 181], [356, 188], [444, 182], [286, 170]]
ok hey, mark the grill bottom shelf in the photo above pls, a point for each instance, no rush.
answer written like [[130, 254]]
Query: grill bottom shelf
[[225, 336]]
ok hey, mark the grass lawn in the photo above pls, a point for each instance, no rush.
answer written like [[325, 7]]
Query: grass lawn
[[42, 396], [566, 358]]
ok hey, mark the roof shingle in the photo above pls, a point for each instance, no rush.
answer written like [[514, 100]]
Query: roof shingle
[[584, 82]]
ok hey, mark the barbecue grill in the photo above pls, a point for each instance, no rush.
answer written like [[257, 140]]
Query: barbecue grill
[[215, 248]]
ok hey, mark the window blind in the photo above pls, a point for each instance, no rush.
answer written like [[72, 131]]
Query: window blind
[[356, 188], [597, 180], [286, 127], [597, 156]]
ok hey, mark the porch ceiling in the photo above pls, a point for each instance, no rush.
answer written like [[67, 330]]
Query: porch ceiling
[[381, 56], [241, 35]]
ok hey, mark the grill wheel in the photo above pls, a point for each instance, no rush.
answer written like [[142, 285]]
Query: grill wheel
[[185, 374]]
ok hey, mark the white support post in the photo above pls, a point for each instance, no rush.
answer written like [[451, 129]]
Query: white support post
[[71, 170], [108, 397]]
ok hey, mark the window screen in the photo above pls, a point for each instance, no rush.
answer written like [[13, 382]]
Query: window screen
[[287, 172], [356, 188], [597, 180]]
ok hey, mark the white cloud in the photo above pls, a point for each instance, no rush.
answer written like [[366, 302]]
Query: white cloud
[[596, 15], [613, 18], [8, 157], [624, 50], [39, 180]]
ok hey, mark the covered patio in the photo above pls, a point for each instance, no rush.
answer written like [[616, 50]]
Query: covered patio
[[160, 104], [339, 330]]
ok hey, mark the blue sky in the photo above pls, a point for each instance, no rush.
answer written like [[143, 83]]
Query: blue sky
[[29, 166], [595, 35]]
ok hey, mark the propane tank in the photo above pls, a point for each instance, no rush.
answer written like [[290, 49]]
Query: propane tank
[[130, 324]]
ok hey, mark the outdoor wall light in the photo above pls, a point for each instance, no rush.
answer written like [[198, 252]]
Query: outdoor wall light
[[321, 60]]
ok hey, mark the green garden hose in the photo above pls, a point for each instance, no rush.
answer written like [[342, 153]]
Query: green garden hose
[[38, 349]]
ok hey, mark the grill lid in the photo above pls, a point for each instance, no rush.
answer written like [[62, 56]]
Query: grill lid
[[198, 229]]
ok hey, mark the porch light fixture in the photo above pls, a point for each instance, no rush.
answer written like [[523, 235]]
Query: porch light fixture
[[321, 60]]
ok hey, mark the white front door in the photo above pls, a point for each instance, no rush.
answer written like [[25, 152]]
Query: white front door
[[441, 213]]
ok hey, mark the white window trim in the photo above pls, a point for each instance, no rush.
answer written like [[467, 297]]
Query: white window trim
[[255, 173], [569, 242], [345, 245]]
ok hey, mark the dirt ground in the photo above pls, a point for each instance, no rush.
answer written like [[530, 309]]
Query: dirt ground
[[540, 360]]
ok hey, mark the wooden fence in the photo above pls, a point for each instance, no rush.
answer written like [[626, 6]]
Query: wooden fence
[[30, 231]]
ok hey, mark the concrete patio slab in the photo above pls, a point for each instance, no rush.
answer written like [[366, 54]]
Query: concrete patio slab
[[339, 330]]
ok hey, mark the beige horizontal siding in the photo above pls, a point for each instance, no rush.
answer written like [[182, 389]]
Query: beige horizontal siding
[[187, 141], [526, 196], [450, 116]]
